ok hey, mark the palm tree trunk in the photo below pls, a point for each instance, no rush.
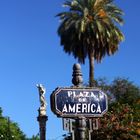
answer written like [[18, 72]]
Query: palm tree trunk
[[91, 69]]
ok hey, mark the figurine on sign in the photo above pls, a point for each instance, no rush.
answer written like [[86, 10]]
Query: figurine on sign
[[42, 109]]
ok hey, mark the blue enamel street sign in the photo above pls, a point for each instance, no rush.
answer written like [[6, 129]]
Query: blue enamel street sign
[[76, 102]]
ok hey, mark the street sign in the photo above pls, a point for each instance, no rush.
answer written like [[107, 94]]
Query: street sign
[[68, 124], [76, 102]]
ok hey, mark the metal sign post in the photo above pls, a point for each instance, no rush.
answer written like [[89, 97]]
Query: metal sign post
[[80, 121], [79, 103]]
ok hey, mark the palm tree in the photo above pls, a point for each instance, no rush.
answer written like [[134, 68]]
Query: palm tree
[[89, 29]]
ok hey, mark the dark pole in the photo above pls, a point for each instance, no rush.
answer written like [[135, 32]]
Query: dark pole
[[81, 128], [42, 126], [77, 80]]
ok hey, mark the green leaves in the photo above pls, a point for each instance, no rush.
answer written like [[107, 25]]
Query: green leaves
[[89, 28], [83, 26], [10, 130], [89, 21], [122, 121]]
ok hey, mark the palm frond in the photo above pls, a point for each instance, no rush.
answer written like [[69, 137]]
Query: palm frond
[[90, 25]]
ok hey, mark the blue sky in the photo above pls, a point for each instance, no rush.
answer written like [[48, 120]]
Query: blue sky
[[30, 53]]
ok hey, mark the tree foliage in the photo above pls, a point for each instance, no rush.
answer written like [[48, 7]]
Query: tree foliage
[[89, 26], [89, 29], [10, 130], [122, 121]]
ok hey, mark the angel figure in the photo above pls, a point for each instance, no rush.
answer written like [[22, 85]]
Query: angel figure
[[42, 91]]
